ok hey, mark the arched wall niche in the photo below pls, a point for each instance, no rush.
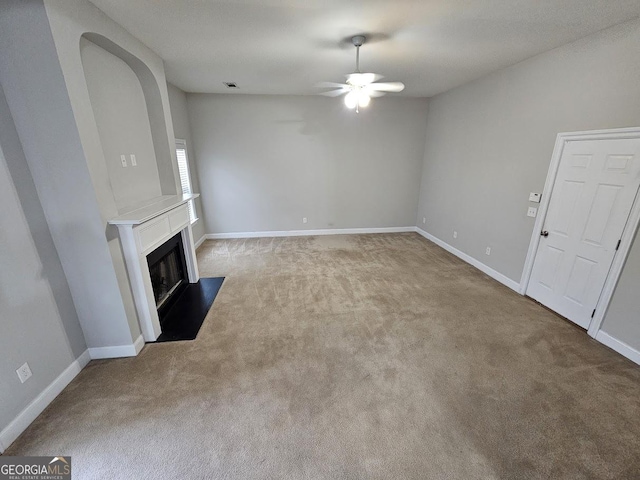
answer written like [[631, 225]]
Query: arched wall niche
[[166, 182]]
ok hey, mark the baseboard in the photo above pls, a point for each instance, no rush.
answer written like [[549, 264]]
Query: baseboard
[[304, 233], [200, 242], [620, 347], [37, 405], [139, 344], [513, 285], [117, 351]]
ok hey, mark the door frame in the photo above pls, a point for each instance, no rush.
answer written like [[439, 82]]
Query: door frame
[[628, 233]]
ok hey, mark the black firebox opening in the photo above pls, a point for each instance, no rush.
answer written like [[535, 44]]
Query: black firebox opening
[[168, 269]]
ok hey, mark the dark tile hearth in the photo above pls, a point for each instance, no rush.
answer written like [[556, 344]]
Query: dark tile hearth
[[185, 317]]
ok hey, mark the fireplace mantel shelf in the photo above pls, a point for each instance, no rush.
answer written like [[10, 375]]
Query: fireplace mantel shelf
[[148, 211]]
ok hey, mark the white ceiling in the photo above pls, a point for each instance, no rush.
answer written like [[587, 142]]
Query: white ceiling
[[287, 46]]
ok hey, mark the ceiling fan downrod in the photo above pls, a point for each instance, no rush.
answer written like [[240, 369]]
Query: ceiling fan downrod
[[358, 41]]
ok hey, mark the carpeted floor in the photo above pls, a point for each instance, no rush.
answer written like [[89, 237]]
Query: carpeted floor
[[349, 357]]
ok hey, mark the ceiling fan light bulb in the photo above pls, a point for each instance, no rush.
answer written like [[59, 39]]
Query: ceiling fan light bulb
[[364, 100], [351, 99]]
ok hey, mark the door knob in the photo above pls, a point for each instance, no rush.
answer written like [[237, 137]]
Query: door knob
[[544, 233]]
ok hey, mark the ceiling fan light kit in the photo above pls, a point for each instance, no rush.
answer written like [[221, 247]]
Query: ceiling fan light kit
[[360, 87], [357, 98]]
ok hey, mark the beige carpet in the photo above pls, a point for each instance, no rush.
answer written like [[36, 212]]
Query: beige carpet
[[348, 357]]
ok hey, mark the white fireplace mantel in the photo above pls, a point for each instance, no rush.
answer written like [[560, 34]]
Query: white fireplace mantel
[[144, 229]]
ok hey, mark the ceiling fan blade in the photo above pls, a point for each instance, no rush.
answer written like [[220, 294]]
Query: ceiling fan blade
[[334, 93], [375, 93], [362, 79], [387, 86], [331, 85]]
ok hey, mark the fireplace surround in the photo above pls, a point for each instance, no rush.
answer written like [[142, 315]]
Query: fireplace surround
[[143, 231]]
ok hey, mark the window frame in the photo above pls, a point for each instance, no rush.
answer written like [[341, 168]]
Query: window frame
[[181, 144]]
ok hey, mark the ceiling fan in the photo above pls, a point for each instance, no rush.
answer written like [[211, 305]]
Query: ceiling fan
[[360, 87]]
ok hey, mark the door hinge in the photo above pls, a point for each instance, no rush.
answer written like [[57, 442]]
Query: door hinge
[[618, 245], [593, 313]]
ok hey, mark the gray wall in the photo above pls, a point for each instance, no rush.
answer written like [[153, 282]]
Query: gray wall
[[623, 317], [265, 162], [182, 130], [489, 144], [58, 251], [69, 22], [38, 320], [122, 119], [39, 101]]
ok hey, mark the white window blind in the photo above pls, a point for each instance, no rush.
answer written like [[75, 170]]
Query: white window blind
[[185, 179]]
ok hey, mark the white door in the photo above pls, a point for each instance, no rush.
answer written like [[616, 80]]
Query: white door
[[592, 196]]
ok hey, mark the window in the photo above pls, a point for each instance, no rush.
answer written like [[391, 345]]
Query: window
[[185, 179]]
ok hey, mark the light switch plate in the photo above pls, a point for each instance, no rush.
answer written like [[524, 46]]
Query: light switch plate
[[534, 197], [123, 159], [532, 212], [133, 160]]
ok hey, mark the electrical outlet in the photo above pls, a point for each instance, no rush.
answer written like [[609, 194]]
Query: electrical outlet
[[133, 160], [304, 219], [123, 159], [424, 220], [488, 251], [532, 212], [24, 373], [455, 234]]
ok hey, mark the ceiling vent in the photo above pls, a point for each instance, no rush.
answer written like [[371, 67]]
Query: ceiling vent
[[231, 84]]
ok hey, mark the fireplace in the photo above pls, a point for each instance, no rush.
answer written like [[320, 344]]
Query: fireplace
[[168, 272], [148, 234]]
